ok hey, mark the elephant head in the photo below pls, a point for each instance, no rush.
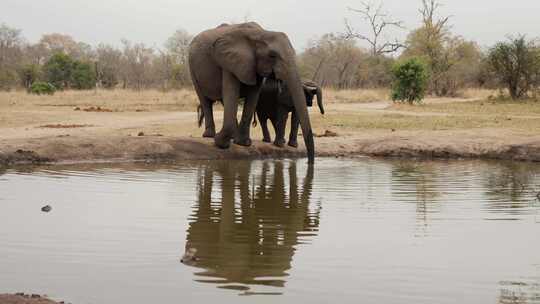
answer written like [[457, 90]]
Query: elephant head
[[312, 89], [252, 54]]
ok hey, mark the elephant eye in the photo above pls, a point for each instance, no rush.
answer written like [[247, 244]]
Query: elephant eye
[[273, 54]]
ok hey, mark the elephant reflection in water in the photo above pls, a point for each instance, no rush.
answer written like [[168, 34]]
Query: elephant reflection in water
[[250, 239]]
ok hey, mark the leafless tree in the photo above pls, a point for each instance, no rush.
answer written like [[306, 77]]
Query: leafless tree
[[11, 44], [428, 10], [379, 22]]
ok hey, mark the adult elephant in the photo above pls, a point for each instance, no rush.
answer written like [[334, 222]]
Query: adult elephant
[[233, 61], [275, 104]]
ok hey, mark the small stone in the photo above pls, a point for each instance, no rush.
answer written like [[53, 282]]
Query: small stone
[[140, 134], [46, 208], [35, 296]]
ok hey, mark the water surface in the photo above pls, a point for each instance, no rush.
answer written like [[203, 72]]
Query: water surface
[[353, 231]]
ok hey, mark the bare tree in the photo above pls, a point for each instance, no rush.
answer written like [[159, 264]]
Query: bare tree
[[379, 22], [428, 10], [178, 45], [11, 44], [138, 59]]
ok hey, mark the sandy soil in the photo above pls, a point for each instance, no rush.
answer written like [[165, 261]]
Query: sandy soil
[[42, 129]]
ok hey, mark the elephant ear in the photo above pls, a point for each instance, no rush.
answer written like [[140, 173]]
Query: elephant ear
[[234, 52]]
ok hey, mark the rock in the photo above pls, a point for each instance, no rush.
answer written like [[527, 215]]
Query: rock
[[140, 134], [46, 208]]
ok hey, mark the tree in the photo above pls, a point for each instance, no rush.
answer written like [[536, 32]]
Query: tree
[[516, 64], [29, 74], [173, 62], [379, 22], [58, 70], [59, 43], [178, 46], [452, 61], [137, 60], [332, 60], [11, 43], [83, 76], [410, 82], [109, 65]]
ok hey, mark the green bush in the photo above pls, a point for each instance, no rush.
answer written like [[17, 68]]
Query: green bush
[[58, 70], [410, 81], [83, 76], [42, 88]]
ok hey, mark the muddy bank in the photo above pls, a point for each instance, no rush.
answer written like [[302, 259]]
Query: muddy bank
[[93, 149], [21, 298]]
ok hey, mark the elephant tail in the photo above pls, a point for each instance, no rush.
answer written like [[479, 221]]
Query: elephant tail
[[200, 115], [254, 124]]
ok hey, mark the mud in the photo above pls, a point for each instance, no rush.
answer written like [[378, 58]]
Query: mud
[[21, 298]]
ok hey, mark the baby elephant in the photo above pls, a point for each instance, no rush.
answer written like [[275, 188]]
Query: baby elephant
[[275, 103]]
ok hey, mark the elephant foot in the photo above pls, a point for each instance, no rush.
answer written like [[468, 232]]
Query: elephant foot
[[267, 140], [209, 133], [293, 144], [222, 141], [279, 143], [246, 142]]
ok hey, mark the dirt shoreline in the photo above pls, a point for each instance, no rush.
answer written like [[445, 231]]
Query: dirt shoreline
[[21, 298], [162, 149]]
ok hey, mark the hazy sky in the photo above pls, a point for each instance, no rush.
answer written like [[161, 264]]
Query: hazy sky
[[94, 21]]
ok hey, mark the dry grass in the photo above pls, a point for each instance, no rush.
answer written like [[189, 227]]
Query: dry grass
[[474, 93], [355, 96], [369, 121], [116, 100], [480, 107], [347, 111]]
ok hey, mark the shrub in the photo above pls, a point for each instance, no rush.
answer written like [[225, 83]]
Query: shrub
[[41, 88], [410, 81], [516, 65]]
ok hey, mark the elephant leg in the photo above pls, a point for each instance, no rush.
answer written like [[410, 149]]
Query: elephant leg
[[209, 126], [208, 114], [263, 121], [293, 136], [242, 136], [231, 92], [280, 124]]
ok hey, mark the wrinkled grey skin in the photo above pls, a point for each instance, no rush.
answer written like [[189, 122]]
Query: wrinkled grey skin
[[231, 62], [275, 104]]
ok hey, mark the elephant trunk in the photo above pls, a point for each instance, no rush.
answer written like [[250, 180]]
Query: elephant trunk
[[299, 98], [320, 99]]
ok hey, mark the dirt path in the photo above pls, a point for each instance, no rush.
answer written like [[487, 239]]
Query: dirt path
[[56, 132]]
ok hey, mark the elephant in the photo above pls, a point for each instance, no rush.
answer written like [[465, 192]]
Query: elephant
[[275, 103], [232, 62], [249, 235]]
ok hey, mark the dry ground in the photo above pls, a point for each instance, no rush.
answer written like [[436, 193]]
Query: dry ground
[[104, 125]]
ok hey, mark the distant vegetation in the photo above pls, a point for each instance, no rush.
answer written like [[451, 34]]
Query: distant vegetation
[[334, 59]]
